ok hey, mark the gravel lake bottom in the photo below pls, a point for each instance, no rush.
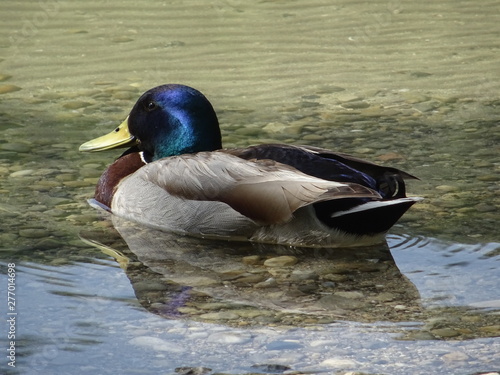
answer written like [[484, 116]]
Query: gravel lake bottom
[[410, 85]]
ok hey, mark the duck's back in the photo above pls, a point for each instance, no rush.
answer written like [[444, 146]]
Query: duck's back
[[332, 166]]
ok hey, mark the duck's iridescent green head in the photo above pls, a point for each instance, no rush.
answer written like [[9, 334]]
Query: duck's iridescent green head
[[166, 120], [172, 120]]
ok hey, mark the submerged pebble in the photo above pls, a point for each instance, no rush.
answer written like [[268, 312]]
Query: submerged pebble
[[489, 177], [335, 302], [51, 95], [493, 330], [447, 188], [268, 283], [5, 89], [192, 370], [4, 77], [312, 137], [121, 39], [301, 275], [350, 295], [16, 147], [222, 315], [251, 259], [281, 261], [455, 357], [355, 104], [22, 173], [76, 104], [348, 97], [124, 95], [485, 207], [445, 332], [34, 233]]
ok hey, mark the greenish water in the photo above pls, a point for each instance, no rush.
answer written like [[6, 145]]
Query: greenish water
[[410, 85]]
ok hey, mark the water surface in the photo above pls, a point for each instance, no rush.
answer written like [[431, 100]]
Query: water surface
[[409, 85]]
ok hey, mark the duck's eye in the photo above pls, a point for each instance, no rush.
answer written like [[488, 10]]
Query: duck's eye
[[150, 106]]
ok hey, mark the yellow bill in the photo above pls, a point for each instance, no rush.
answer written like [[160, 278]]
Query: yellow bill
[[120, 137]]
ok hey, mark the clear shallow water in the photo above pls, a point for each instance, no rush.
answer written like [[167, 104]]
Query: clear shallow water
[[414, 86]]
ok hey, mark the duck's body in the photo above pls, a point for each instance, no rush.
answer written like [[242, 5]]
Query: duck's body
[[176, 177]]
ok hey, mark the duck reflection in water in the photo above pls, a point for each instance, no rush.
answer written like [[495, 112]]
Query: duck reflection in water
[[180, 276]]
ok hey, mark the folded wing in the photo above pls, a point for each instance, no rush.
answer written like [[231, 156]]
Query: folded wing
[[264, 190]]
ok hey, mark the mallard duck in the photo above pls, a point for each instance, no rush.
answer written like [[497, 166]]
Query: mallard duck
[[177, 177]]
